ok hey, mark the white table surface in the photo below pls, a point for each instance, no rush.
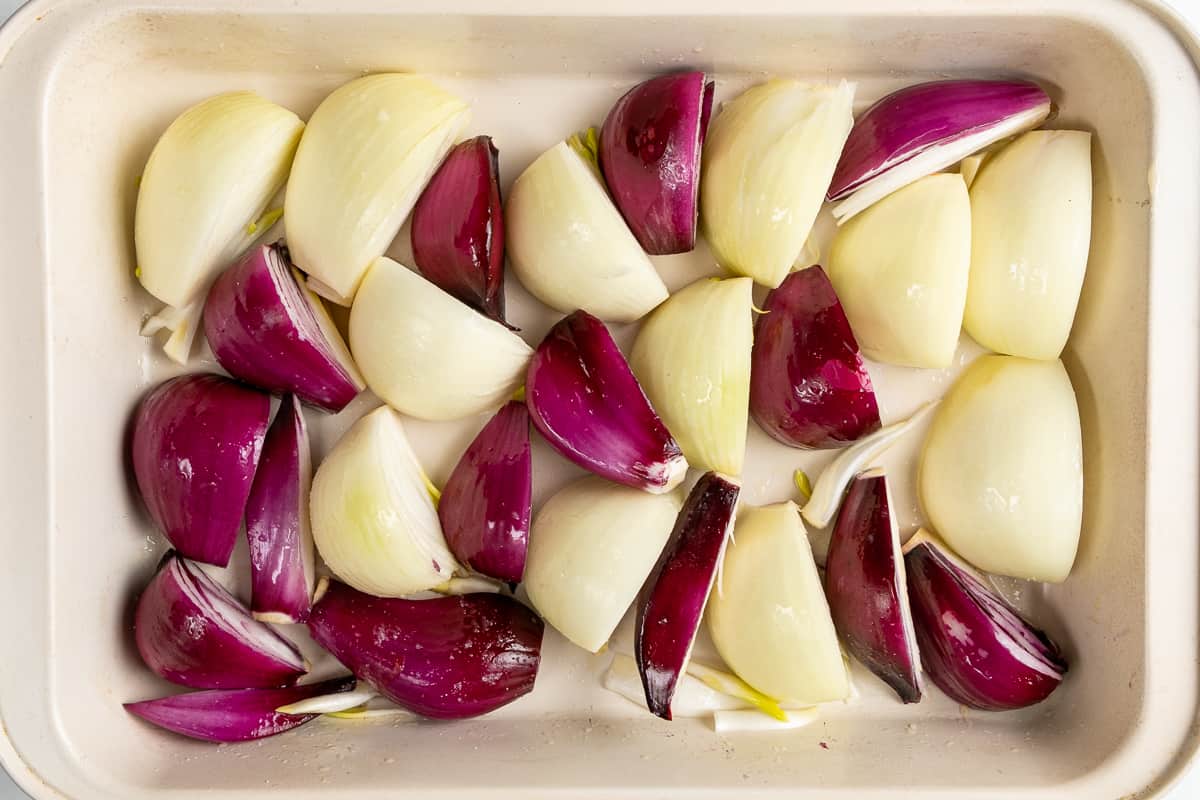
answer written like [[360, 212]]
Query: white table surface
[[1188, 789]]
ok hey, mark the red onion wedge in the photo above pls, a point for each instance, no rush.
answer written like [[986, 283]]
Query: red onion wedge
[[458, 228], [650, 155], [268, 329], [192, 631], [669, 613], [234, 715], [922, 129], [282, 573], [809, 386], [864, 581], [974, 645], [486, 502], [196, 444], [447, 658], [585, 401]]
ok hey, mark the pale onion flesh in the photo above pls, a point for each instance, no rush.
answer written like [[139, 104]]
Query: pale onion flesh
[[768, 158], [591, 547], [692, 357], [1031, 229], [373, 519], [370, 148], [900, 269], [1001, 475], [831, 485], [204, 189], [570, 247], [425, 353], [768, 616]]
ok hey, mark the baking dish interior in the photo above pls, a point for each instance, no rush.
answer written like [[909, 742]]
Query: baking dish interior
[[110, 79]]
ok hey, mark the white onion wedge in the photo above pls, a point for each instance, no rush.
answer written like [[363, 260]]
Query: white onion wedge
[[692, 357], [570, 247], [768, 158], [742, 721], [1031, 228], [427, 354], [831, 485], [591, 547], [1001, 475], [370, 148], [693, 698], [768, 615], [206, 185], [373, 520], [900, 270]]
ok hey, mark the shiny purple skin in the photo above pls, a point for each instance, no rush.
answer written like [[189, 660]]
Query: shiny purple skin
[[262, 329], [486, 502], [277, 526], [809, 387], [650, 157], [585, 401], [669, 612], [458, 228], [234, 715], [196, 444], [447, 658], [975, 647], [865, 587], [190, 630], [926, 115]]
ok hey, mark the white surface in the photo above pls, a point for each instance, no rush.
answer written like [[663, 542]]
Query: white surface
[[1194, 8]]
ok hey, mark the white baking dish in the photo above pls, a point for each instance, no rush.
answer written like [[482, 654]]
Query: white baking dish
[[85, 87]]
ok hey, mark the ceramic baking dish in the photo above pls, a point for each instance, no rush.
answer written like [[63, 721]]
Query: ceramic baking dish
[[85, 87]]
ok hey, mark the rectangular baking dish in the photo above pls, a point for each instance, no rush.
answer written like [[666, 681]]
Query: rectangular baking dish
[[85, 86]]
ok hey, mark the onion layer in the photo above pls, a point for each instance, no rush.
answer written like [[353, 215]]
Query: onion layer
[[809, 386], [196, 444], [584, 400], [974, 646], [486, 502], [270, 331], [190, 630], [670, 611], [922, 129], [233, 715], [282, 572], [447, 658]]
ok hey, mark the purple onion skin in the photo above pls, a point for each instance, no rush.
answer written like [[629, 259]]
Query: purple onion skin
[[863, 584], [650, 157], [915, 118], [585, 401], [487, 501], [968, 635], [809, 387], [277, 520], [267, 342], [458, 228], [447, 658], [706, 110], [669, 612], [183, 641], [196, 444], [234, 715]]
